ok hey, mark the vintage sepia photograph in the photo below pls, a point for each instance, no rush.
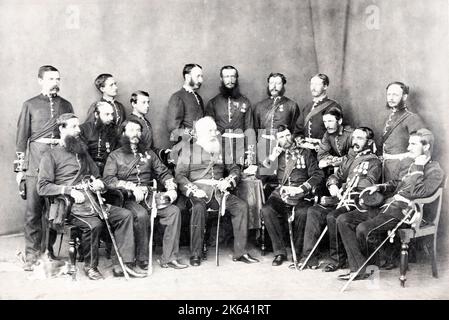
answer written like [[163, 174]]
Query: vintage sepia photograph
[[193, 150]]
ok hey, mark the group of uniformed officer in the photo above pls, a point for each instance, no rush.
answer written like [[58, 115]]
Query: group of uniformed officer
[[305, 153]]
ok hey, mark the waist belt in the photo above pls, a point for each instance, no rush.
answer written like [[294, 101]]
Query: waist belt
[[47, 140], [233, 135], [268, 136], [398, 156], [210, 182]]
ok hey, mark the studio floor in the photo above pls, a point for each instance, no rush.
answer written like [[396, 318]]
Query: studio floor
[[231, 280]]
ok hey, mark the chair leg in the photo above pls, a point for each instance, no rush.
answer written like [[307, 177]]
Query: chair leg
[[404, 263], [434, 257], [72, 255], [262, 237], [204, 250]]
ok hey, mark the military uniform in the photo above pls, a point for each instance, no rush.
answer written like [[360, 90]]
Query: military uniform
[[232, 115], [35, 126], [119, 111], [296, 167], [269, 114], [397, 129], [185, 107], [361, 170], [59, 172], [140, 168], [412, 182], [311, 123], [336, 144], [100, 143], [198, 169]]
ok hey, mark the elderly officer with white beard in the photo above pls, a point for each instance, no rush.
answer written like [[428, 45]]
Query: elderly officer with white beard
[[204, 178]]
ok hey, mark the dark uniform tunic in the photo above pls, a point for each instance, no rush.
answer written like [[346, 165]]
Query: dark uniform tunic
[[396, 133], [194, 169], [272, 112], [184, 109], [59, 172], [99, 144], [233, 115], [269, 114], [365, 167], [230, 114], [413, 182], [37, 120], [297, 167], [336, 144], [119, 111], [125, 166], [314, 127]]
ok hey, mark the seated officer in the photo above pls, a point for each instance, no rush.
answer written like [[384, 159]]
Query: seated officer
[[419, 177], [60, 173], [297, 175], [336, 141], [360, 168], [132, 167], [204, 178]]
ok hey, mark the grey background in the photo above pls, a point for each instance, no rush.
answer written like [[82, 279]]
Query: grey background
[[362, 45]]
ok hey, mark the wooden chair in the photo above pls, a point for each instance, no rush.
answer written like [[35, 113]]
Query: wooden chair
[[425, 225], [74, 233]]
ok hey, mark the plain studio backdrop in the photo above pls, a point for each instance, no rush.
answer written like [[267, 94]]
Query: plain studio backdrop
[[360, 44]]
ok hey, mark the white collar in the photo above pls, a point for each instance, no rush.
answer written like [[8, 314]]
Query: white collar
[[319, 99], [188, 89]]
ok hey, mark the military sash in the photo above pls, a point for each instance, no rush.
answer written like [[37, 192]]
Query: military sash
[[317, 110], [393, 126]]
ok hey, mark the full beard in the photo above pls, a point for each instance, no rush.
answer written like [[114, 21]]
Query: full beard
[[126, 145], [399, 106], [231, 92], [280, 93], [210, 146], [108, 131], [75, 145]]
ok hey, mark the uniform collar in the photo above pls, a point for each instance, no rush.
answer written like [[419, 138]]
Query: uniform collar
[[138, 115], [363, 153], [47, 95], [107, 99], [319, 99], [188, 89]]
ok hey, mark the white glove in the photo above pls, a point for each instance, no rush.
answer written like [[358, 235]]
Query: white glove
[[334, 191], [97, 185], [275, 153], [172, 194], [77, 195], [223, 185], [200, 194], [138, 194], [19, 177]]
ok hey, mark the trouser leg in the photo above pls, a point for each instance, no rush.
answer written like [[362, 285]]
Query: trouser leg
[[315, 223], [379, 224], [170, 218], [347, 224], [299, 225], [33, 219], [141, 225], [121, 222], [239, 217], [91, 229], [336, 250], [197, 225], [272, 212]]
